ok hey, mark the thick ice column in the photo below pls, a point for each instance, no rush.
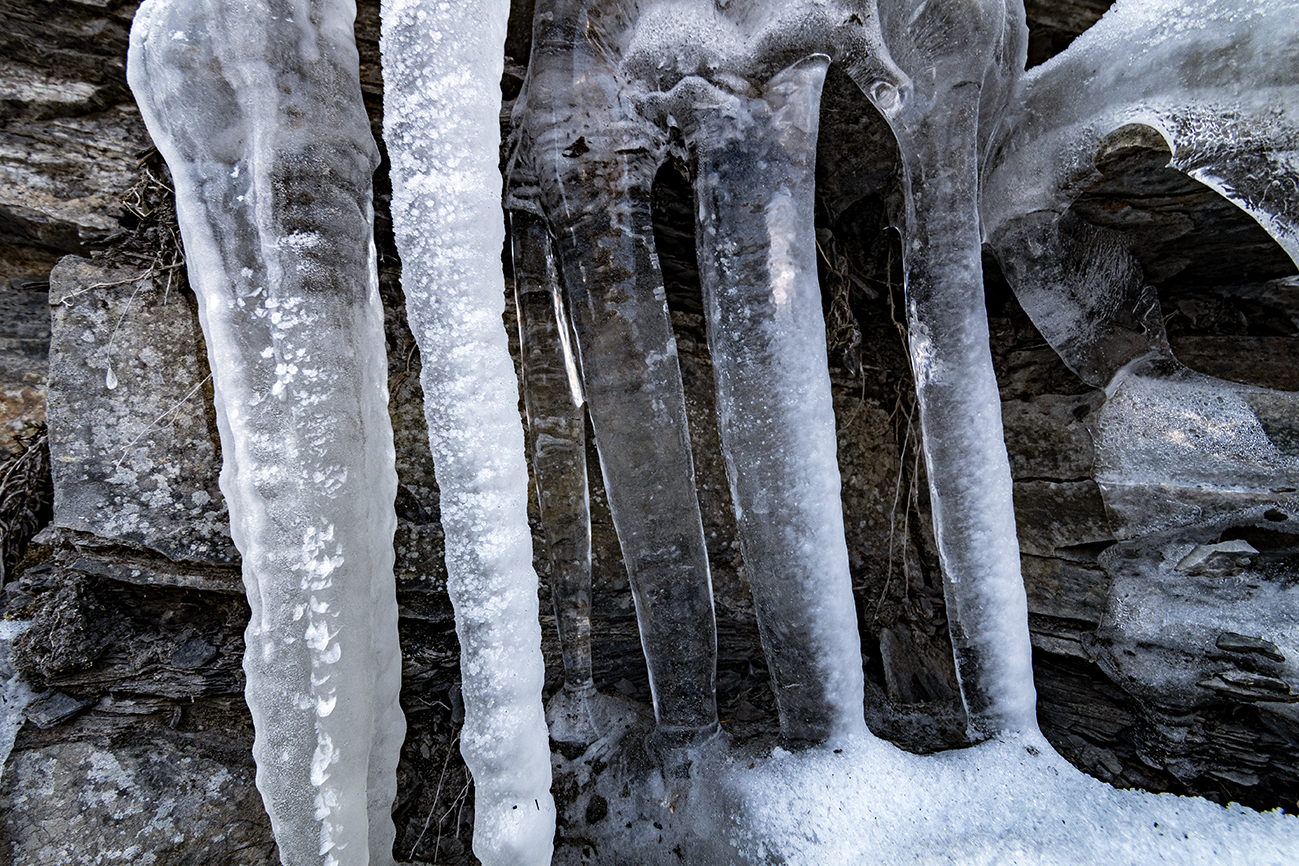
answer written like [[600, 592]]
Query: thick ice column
[[257, 108], [637, 407], [962, 57], [757, 262], [442, 68], [594, 161], [552, 393]]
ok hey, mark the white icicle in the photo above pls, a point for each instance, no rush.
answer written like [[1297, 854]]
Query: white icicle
[[442, 67], [257, 108]]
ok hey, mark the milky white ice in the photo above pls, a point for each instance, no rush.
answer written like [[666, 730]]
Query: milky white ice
[[442, 65], [256, 107], [1010, 802]]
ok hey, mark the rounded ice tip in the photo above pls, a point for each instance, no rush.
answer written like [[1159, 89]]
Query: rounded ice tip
[[888, 97]]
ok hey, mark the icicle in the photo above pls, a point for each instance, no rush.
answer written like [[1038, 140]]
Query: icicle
[[591, 163], [757, 263], [442, 67], [963, 58], [271, 152], [553, 397]]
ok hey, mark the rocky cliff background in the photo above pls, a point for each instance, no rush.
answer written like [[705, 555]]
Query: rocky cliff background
[[133, 741]]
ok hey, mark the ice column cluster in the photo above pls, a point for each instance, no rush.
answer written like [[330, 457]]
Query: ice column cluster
[[256, 107], [613, 90], [989, 154]]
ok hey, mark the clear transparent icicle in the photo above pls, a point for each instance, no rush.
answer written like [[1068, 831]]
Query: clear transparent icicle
[[766, 332], [552, 394], [585, 160], [442, 66], [963, 58], [256, 107], [608, 83]]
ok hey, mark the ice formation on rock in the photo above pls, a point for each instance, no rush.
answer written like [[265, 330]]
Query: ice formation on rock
[[671, 75], [584, 163], [615, 87], [610, 86], [257, 109], [1218, 82], [718, 86], [756, 155], [442, 67]]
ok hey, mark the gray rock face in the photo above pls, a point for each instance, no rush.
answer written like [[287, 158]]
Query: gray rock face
[[65, 178], [162, 803], [136, 445], [137, 732]]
